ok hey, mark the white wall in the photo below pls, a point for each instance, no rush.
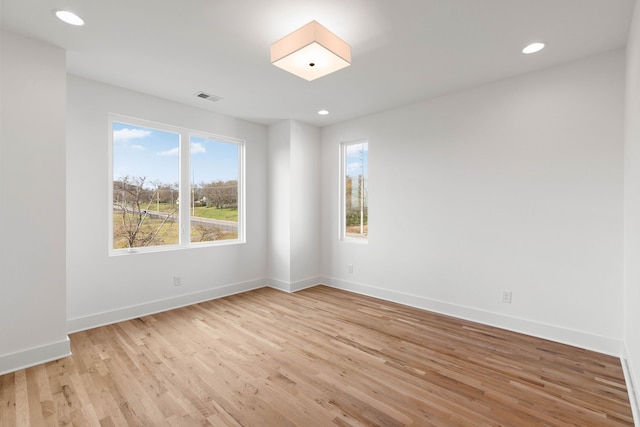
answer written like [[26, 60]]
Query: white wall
[[279, 230], [32, 197], [632, 208], [103, 288], [305, 204], [515, 185], [294, 186]]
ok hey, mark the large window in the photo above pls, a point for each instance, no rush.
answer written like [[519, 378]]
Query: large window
[[172, 187], [354, 222]]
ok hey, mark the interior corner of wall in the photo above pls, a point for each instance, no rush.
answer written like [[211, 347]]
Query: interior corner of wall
[[632, 386]]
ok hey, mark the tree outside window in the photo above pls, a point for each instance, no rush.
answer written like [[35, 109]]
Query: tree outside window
[[355, 190]]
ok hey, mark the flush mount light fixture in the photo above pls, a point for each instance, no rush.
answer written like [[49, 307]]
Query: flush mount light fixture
[[533, 48], [68, 17], [323, 112], [311, 52]]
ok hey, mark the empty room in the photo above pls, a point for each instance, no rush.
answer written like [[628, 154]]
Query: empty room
[[315, 213]]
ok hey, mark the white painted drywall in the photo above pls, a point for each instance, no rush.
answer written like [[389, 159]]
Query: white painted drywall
[[515, 185], [305, 202], [103, 288], [294, 187], [279, 188], [32, 198], [632, 205]]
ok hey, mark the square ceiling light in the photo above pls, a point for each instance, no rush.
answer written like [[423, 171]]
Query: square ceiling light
[[311, 52]]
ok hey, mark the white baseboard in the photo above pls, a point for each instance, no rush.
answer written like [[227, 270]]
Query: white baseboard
[[293, 286], [306, 283], [632, 387], [278, 284], [567, 336], [575, 338], [34, 356], [131, 312]]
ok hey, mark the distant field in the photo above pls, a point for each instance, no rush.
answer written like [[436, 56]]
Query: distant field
[[169, 234], [225, 214]]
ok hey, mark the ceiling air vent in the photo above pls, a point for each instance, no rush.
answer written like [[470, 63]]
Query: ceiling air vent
[[208, 97]]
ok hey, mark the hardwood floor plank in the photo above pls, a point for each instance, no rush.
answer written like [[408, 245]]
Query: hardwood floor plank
[[7, 400], [22, 399], [315, 358]]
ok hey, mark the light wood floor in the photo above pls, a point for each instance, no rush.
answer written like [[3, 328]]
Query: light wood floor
[[319, 357]]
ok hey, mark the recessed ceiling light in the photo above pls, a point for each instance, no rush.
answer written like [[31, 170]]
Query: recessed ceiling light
[[323, 112], [533, 48], [69, 17]]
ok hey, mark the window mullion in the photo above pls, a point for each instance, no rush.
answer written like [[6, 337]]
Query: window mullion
[[185, 188]]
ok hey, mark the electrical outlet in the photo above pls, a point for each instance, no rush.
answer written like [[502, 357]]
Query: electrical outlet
[[350, 268], [177, 281], [506, 297]]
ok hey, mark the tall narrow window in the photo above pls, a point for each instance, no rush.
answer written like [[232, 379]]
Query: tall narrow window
[[355, 187], [170, 193]]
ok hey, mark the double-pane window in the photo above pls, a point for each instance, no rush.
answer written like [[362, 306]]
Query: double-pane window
[[173, 187]]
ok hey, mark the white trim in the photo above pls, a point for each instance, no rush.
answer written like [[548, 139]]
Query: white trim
[[291, 287], [34, 356], [575, 338], [279, 285], [131, 312], [632, 390], [306, 283]]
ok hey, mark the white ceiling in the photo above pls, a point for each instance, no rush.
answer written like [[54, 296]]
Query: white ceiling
[[402, 50]]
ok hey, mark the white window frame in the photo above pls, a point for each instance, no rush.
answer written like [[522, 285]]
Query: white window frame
[[342, 204], [241, 189], [184, 162]]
